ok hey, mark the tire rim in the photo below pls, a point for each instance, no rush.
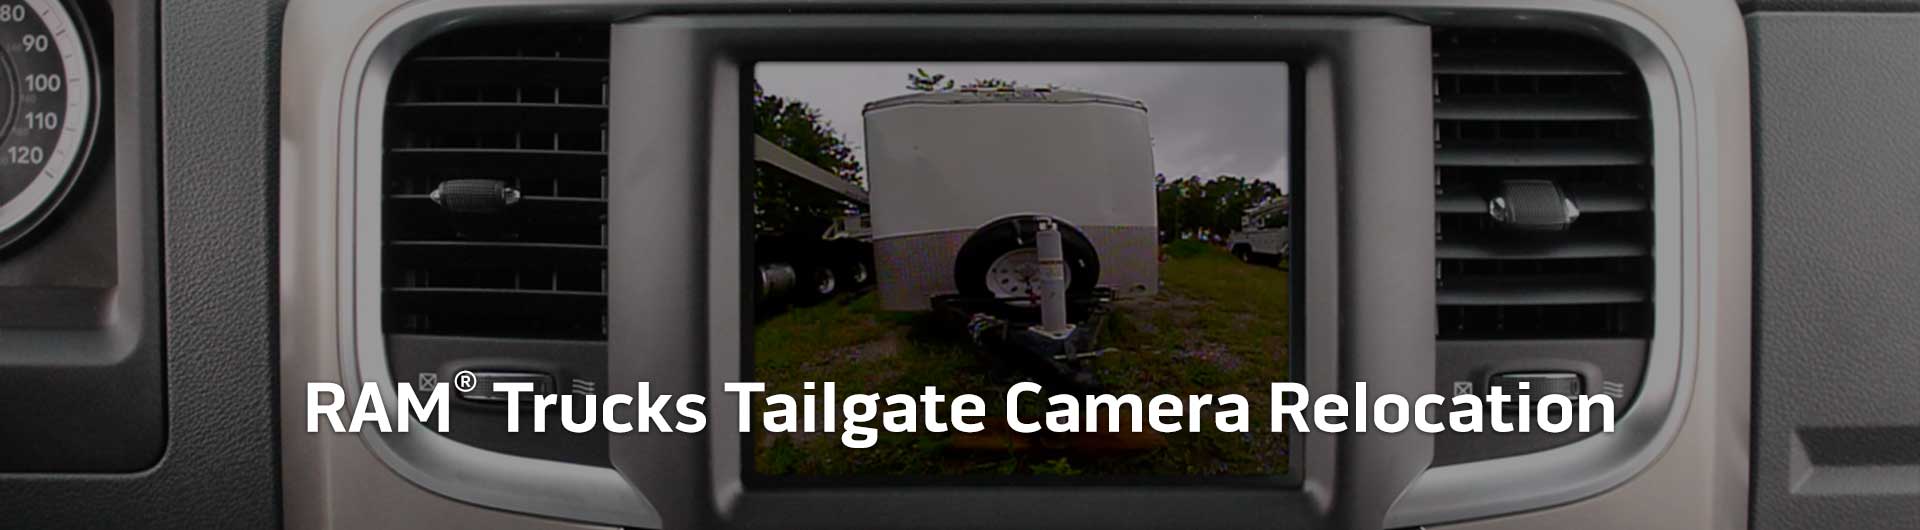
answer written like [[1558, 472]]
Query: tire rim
[[824, 282], [859, 273], [1014, 277]]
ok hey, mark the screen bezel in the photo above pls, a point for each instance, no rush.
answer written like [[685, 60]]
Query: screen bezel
[[1294, 143], [683, 330]]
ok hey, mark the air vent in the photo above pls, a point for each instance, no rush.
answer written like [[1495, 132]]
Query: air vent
[[1542, 180], [496, 185]]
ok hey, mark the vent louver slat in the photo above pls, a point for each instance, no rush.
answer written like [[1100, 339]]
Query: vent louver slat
[[1467, 247], [1528, 107], [525, 108], [511, 61], [1539, 290], [1494, 59], [1589, 200], [1533, 108], [428, 253], [499, 117], [1536, 156]]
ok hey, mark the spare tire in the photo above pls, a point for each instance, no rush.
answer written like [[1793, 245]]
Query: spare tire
[[1008, 244]]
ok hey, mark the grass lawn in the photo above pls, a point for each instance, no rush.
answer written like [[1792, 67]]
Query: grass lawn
[[1217, 326]]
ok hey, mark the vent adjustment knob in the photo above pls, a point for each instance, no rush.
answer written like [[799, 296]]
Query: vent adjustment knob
[[474, 196], [1532, 204]]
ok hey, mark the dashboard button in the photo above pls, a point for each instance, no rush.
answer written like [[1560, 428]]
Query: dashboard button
[[483, 388], [1539, 384]]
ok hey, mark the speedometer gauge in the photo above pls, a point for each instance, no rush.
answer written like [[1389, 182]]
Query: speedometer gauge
[[47, 93]]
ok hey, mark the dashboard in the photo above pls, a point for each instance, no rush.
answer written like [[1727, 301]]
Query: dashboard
[[210, 211], [51, 54]]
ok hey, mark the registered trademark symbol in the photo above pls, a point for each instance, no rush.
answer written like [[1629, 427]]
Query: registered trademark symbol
[[465, 381]]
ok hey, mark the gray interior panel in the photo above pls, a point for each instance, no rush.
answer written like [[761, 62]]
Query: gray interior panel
[[1836, 438], [1837, 411], [690, 477], [214, 154], [80, 317], [1879, 6]]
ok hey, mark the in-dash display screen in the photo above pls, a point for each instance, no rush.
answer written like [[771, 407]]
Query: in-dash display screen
[[1046, 238]]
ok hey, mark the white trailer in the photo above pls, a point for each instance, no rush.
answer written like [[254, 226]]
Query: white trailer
[[973, 169]]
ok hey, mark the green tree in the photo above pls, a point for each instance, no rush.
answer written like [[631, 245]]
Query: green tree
[[1189, 206], [1197, 209], [993, 82], [785, 205], [920, 80], [1233, 195]]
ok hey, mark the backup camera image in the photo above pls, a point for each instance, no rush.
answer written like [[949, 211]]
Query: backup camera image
[[1097, 228]]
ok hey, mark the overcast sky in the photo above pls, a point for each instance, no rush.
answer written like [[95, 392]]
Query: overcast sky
[[1207, 118]]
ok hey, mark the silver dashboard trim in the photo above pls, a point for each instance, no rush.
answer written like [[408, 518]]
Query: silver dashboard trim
[[428, 459], [1598, 463]]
